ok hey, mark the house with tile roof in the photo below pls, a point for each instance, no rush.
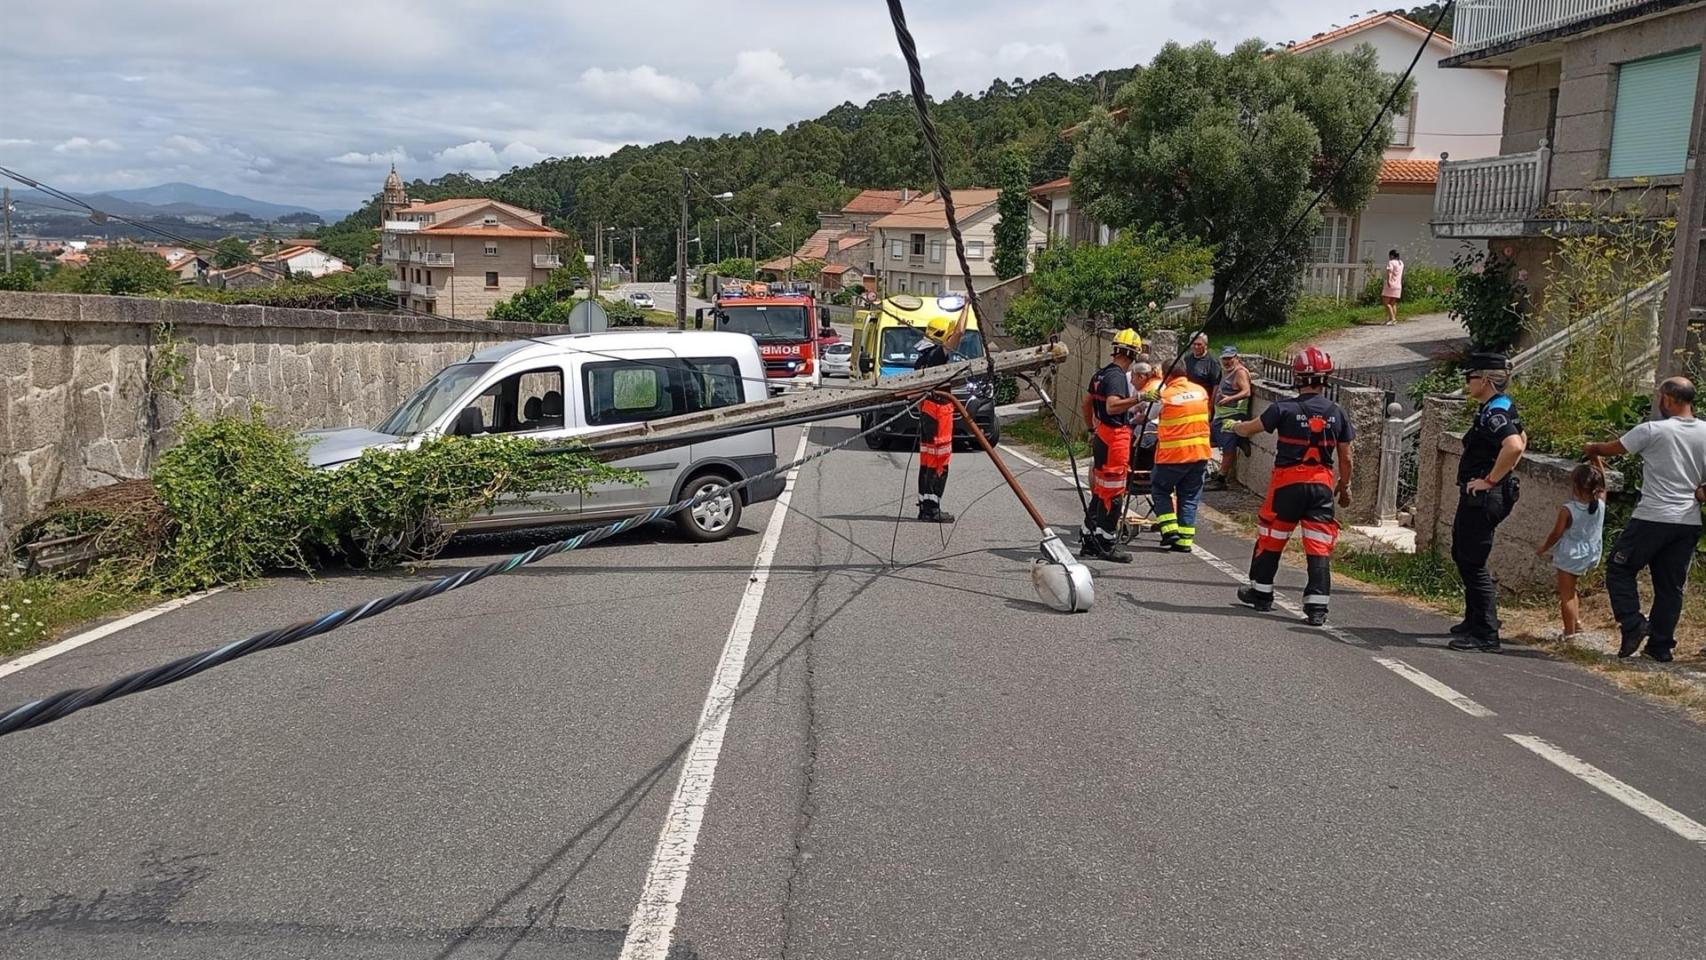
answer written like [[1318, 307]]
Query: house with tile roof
[[843, 236], [915, 253], [461, 256], [306, 261]]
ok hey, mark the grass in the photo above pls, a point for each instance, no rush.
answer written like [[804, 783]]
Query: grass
[[1314, 317], [1038, 431], [1426, 576], [35, 610]]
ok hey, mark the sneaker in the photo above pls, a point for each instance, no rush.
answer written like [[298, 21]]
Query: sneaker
[[1632, 640], [1471, 642], [1459, 629], [1315, 616], [1261, 601], [1168, 539]]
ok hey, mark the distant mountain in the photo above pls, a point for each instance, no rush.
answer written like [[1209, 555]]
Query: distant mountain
[[187, 198]]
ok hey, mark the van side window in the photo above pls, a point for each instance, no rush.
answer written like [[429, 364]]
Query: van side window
[[522, 403], [631, 391]]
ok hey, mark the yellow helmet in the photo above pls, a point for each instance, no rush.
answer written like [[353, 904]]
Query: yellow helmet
[[938, 328], [1129, 341]]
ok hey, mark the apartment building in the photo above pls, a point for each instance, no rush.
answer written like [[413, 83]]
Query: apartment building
[[1598, 104], [915, 252], [458, 257]]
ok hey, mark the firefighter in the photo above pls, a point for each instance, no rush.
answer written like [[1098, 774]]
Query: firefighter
[[936, 418], [1111, 399], [1312, 433], [1181, 455]]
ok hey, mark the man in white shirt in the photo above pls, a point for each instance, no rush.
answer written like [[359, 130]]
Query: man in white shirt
[[1665, 526]]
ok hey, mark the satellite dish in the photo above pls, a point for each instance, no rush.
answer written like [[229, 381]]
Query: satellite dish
[[588, 316]]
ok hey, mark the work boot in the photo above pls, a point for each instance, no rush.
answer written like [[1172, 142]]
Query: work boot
[[1472, 642], [933, 514], [1460, 628], [1315, 616], [1114, 553], [1180, 546], [1263, 602], [1631, 642], [1216, 483], [1090, 547]]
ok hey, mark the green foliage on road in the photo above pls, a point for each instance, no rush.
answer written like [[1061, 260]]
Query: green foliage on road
[[1013, 229], [1115, 286], [1230, 148]]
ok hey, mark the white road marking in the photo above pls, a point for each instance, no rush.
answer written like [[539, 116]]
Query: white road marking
[[105, 630], [651, 929], [1434, 687], [1677, 823]]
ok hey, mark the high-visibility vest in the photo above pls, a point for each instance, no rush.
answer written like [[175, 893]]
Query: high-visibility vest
[[1183, 430]]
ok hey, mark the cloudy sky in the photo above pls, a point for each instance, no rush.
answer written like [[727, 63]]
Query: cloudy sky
[[310, 101]]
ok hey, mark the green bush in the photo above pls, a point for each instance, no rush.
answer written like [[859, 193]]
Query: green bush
[[1489, 298], [1115, 286], [1444, 377], [1420, 280]]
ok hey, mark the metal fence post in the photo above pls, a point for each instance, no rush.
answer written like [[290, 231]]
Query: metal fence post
[[1391, 460]]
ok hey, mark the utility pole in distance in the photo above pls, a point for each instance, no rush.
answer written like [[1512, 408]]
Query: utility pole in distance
[[597, 254], [634, 251], [681, 261], [1680, 344], [6, 206]]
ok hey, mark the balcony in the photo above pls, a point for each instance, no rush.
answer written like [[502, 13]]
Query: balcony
[[1492, 197], [423, 291], [1484, 25], [397, 286], [432, 259], [546, 261], [401, 226]]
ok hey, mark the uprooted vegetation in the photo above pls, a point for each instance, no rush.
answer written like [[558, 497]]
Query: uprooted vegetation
[[237, 499]]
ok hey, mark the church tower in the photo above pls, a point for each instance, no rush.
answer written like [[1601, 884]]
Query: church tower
[[393, 198]]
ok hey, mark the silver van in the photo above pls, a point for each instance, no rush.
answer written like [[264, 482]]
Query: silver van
[[560, 387]]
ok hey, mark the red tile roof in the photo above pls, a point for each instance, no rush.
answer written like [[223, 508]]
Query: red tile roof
[[1053, 186], [541, 233], [1358, 26], [877, 201], [1422, 173], [926, 212], [836, 269]]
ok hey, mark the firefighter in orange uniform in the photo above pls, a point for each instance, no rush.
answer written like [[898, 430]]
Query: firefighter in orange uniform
[[1109, 405], [1181, 456], [936, 419], [1312, 433]]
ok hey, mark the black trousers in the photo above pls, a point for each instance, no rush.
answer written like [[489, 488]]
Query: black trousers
[[1478, 516], [1667, 550]]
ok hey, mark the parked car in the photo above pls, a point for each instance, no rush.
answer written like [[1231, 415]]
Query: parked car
[[642, 299], [556, 388], [838, 359], [577, 284]]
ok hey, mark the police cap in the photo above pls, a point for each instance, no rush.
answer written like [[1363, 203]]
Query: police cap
[[1488, 361]]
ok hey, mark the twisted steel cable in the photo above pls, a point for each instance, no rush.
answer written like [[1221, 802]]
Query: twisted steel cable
[[66, 702]]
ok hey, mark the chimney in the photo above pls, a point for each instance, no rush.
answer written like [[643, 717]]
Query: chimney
[[834, 248], [905, 194]]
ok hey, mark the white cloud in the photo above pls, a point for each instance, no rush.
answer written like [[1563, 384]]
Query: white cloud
[[356, 158], [178, 146], [479, 158], [14, 142], [642, 83], [762, 81], [86, 145]]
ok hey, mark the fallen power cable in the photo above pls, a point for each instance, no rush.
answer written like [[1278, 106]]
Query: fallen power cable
[[66, 702]]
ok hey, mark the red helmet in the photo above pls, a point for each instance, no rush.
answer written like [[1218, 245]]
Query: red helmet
[[1311, 362]]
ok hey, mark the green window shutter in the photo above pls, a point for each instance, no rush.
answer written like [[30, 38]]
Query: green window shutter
[[1649, 131]]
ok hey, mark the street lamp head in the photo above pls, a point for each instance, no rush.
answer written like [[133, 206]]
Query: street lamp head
[[775, 225], [725, 195]]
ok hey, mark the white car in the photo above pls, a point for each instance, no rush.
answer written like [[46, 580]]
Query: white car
[[642, 299], [558, 388], [838, 360]]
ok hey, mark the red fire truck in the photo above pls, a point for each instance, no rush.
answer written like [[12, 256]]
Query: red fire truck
[[786, 323]]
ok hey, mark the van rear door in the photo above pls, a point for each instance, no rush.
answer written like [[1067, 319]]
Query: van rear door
[[637, 387]]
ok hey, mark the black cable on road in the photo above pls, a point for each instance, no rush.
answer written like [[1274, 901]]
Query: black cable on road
[[66, 702]]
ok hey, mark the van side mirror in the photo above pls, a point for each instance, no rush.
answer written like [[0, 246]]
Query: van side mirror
[[699, 318], [469, 422], [866, 365]]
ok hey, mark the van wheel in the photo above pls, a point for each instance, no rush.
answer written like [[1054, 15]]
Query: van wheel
[[716, 518], [876, 441]]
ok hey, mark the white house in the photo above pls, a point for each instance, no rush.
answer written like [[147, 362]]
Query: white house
[[305, 261], [1455, 112], [915, 252]]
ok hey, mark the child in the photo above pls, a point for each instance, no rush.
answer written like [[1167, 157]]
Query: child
[[1578, 537]]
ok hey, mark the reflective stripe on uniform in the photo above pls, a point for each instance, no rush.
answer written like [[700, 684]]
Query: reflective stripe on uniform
[[1261, 587], [1315, 600], [1175, 421], [1319, 536], [931, 497]]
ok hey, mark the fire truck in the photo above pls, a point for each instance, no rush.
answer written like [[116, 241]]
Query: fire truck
[[786, 322]]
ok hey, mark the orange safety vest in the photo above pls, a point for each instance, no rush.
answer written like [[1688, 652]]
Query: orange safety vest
[[1182, 433]]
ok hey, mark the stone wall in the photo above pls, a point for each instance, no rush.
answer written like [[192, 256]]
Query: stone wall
[[83, 400], [1366, 408], [1545, 485], [1089, 351]]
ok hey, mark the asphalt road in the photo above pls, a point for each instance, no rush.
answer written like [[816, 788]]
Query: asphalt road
[[920, 761], [663, 295]]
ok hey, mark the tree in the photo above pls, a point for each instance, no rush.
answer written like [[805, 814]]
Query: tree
[[26, 272], [352, 247], [125, 270], [737, 267], [1230, 149], [1425, 15], [1013, 230], [230, 252], [1112, 286], [302, 219]]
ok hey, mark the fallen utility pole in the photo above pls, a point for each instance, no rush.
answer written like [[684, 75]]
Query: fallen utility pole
[[634, 439]]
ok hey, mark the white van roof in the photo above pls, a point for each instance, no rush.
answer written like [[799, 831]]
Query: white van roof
[[690, 343]]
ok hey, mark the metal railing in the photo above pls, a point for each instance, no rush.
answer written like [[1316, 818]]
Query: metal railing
[[1507, 188], [1336, 280], [547, 261], [397, 286], [423, 291], [1278, 370], [432, 259], [1480, 24]]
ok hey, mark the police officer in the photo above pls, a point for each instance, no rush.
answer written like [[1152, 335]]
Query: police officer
[[1111, 399], [1487, 491], [1312, 433], [936, 419]]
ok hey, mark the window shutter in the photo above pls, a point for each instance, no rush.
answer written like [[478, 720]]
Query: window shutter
[[1649, 131]]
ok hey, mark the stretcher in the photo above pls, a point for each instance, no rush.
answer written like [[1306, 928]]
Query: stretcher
[[1139, 515]]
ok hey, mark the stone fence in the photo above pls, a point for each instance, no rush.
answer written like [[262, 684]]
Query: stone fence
[[1367, 409], [1545, 485], [92, 388]]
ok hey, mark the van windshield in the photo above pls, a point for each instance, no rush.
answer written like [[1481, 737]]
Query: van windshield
[[431, 401], [900, 346]]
